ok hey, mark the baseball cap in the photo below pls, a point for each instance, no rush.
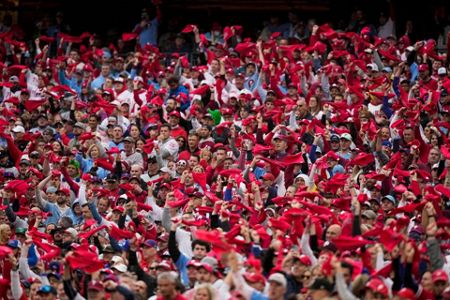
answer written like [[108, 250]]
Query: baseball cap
[[24, 161], [18, 129], [122, 268], [79, 125], [72, 231], [128, 139], [439, 275], [47, 289], [165, 170], [334, 138], [374, 67], [21, 230], [14, 79], [321, 284], [268, 176], [278, 278], [150, 243], [369, 214], [280, 136], [111, 177], [442, 71], [51, 189], [211, 261], [303, 259], [14, 244], [377, 286], [390, 198], [346, 136], [423, 67], [254, 277]]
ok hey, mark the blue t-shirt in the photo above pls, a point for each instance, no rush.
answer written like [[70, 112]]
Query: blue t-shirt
[[258, 296]]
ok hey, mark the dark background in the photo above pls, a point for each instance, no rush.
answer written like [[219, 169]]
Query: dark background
[[109, 18]]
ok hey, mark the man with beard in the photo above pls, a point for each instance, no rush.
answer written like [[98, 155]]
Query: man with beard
[[57, 209]]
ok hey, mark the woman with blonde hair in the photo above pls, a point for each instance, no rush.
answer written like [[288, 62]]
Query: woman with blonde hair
[[5, 234], [94, 152], [204, 291]]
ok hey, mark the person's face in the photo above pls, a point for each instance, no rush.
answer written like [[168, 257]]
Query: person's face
[[203, 276], [385, 133], [134, 132], [86, 212], [387, 205], [279, 145], [193, 161], [61, 198], [94, 152], [199, 251], [250, 70], [426, 281], [298, 268], [140, 287], [117, 133], [189, 180], [221, 155], [227, 163], [193, 141], [276, 290], [239, 81], [128, 146], [434, 140], [136, 171], [439, 286], [345, 144], [201, 294], [408, 135], [180, 141], [72, 170], [332, 233], [96, 295], [23, 168], [152, 167], [102, 205], [165, 132], [166, 288], [434, 156], [105, 70], [290, 192], [215, 66], [171, 105]]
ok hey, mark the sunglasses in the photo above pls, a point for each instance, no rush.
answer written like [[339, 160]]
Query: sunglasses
[[306, 276]]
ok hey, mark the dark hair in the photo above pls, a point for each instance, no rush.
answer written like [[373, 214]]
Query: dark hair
[[346, 265], [173, 79], [165, 125], [201, 243]]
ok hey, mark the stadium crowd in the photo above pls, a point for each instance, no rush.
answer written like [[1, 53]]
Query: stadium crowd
[[308, 163]]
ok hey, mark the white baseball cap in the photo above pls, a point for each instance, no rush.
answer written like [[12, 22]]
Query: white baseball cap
[[442, 71], [18, 129]]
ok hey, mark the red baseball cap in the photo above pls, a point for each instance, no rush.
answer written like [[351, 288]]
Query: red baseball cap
[[378, 286], [304, 260], [268, 176], [406, 293], [439, 275], [254, 278]]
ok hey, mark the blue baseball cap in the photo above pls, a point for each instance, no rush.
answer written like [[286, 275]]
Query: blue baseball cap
[[150, 243], [390, 198], [13, 244], [47, 289]]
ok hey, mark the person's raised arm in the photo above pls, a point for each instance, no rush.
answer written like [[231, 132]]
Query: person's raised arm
[[39, 190]]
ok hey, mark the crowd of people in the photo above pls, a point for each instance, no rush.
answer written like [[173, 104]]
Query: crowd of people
[[298, 165]]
